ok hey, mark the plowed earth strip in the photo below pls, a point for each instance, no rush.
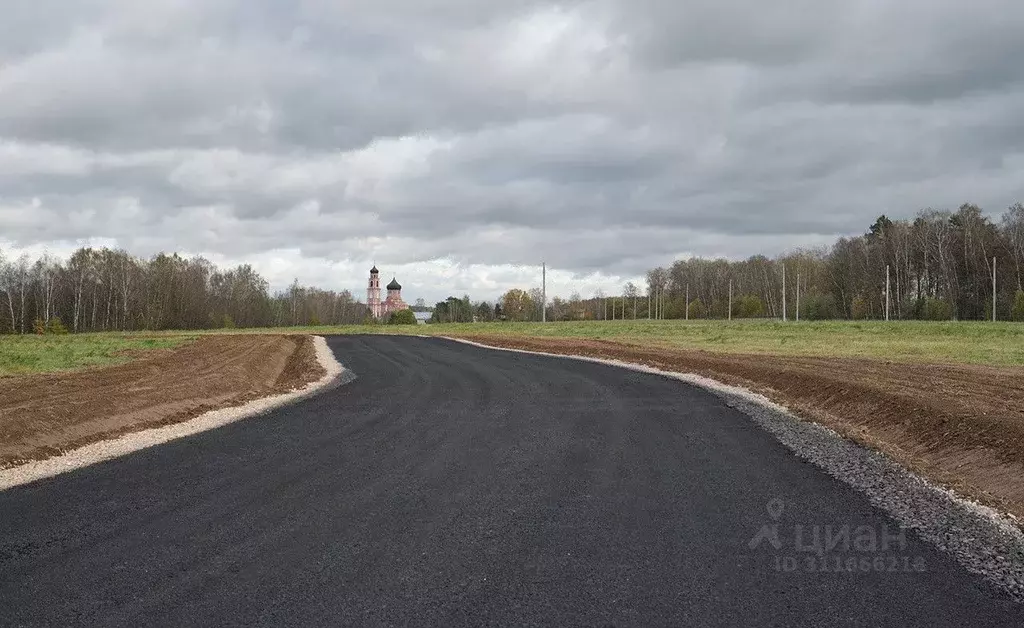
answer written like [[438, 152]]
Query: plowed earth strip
[[45, 415], [961, 426]]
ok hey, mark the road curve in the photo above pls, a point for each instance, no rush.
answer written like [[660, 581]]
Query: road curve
[[453, 485]]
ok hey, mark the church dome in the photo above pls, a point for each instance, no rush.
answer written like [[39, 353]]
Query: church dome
[[374, 271], [394, 285]]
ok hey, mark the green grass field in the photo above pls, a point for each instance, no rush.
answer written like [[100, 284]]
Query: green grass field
[[22, 355], [998, 344]]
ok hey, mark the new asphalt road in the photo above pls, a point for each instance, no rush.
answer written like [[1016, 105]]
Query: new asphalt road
[[452, 485]]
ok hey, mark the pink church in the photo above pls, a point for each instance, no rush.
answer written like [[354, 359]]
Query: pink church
[[393, 303]]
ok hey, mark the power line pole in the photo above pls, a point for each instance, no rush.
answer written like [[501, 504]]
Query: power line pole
[[785, 316], [993, 289], [887, 293], [798, 297], [730, 299], [544, 292], [687, 301]]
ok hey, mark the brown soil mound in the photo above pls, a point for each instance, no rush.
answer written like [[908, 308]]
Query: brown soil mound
[[962, 426], [43, 415]]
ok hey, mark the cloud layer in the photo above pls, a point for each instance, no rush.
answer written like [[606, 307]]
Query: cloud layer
[[458, 142]]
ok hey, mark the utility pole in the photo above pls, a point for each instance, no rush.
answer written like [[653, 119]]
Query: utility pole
[[687, 301], [993, 289], [785, 316], [887, 293], [730, 299], [798, 297], [544, 292]]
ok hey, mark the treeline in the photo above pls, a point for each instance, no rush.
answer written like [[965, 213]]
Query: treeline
[[111, 290], [515, 305], [525, 305], [940, 267]]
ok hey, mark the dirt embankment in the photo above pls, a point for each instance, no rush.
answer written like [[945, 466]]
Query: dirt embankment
[[962, 426], [43, 415]]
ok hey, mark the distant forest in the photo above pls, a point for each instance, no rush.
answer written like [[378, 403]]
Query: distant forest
[[111, 290], [940, 268]]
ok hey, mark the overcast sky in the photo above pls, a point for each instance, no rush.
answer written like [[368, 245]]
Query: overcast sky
[[457, 143]]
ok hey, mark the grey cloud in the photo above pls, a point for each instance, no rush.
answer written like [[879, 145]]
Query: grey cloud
[[604, 136], [667, 33]]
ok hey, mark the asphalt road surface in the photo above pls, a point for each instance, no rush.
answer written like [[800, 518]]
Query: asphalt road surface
[[452, 485]]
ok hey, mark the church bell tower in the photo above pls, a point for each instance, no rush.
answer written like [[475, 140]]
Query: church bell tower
[[373, 293]]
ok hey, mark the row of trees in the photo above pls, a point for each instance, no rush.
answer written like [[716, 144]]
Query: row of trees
[[525, 305], [514, 305], [111, 290], [939, 265]]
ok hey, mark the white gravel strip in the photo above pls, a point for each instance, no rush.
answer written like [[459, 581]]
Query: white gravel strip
[[128, 443], [981, 539]]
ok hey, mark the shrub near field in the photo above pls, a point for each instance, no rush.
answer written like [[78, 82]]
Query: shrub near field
[[22, 355], [402, 317]]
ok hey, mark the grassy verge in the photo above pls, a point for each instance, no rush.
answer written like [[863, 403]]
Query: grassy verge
[[24, 355]]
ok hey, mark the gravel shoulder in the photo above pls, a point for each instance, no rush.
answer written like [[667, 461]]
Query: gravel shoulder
[[45, 415]]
